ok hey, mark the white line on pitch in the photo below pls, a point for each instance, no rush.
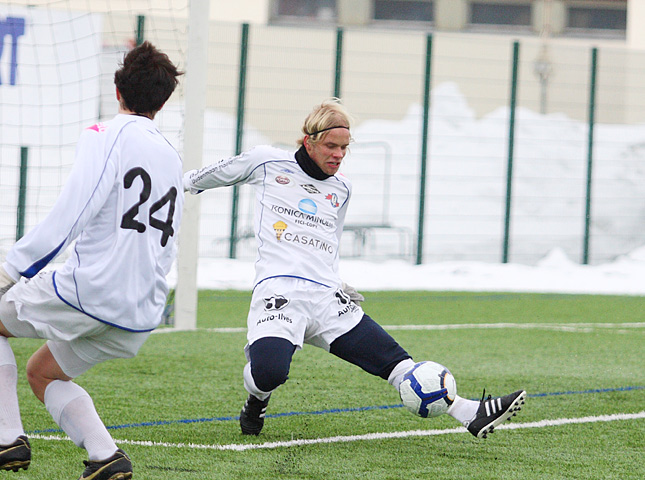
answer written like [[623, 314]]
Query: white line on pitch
[[372, 436], [565, 327]]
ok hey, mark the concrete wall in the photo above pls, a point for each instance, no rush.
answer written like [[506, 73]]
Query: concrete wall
[[292, 68], [635, 19]]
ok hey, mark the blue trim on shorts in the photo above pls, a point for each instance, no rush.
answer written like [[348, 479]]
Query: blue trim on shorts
[[292, 276], [92, 316]]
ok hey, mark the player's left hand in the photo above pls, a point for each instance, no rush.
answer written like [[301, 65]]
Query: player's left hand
[[6, 282], [354, 296]]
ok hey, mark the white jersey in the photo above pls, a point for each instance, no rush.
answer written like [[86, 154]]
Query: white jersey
[[122, 203], [298, 219]]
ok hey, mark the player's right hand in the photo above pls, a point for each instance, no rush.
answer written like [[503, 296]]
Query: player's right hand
[[188, 185]]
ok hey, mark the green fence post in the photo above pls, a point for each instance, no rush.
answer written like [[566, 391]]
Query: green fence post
[[511, 141], [239, 133], [424, 148], [22, 193], [592, 110], [339, 61], [141, 21]]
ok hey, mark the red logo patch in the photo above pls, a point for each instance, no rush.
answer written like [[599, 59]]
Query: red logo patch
[[282, 180]]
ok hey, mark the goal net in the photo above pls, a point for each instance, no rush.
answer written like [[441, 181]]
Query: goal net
[[57, 64]]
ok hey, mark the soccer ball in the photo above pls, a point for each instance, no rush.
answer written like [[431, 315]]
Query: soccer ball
[[428, 389]]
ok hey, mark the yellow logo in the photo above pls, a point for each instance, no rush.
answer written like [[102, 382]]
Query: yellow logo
[[279, 228]]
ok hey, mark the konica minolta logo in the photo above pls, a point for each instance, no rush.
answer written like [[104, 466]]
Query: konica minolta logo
[[302, 216]]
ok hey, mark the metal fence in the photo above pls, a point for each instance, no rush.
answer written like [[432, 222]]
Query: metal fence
[[525, 147]]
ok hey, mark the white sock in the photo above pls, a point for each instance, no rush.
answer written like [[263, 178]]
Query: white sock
[[397, 374], [10, 423], [463, 410], [73, 410], [249, 384]]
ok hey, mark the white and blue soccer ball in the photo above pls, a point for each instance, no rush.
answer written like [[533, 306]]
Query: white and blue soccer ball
[[428, 389]]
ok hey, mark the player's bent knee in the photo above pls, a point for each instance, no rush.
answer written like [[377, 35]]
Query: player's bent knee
[[269, 377], [270, 361], [37, 381], [42, 369]]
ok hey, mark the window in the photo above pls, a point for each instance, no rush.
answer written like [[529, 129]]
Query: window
[[485, 13], [316, 10], [597, 18], [405, 10]]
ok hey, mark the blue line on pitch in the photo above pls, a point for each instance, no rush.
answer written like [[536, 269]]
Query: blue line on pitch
[[324, 412]]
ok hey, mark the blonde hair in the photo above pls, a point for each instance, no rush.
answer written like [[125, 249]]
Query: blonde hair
[[328, 115]]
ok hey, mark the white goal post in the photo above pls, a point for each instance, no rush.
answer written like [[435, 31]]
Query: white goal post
[[194, 97]]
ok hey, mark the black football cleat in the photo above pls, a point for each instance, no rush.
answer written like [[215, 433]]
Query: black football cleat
[[16, 456], [494, 411], [117, 467], [252, 415]]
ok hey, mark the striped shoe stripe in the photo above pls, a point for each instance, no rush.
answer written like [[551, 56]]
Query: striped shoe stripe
[[493, 406]]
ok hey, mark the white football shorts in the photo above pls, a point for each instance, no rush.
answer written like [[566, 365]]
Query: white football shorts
[[300, 311], [31, 309]]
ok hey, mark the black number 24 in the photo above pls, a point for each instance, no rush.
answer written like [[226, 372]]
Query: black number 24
[[129, 221]]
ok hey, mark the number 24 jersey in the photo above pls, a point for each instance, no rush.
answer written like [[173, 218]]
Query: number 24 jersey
[[122, 203]]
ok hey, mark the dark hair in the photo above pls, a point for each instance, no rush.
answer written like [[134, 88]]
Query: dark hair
[[146, 79]]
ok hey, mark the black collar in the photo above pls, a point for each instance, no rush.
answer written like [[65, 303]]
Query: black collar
[[309, 166]]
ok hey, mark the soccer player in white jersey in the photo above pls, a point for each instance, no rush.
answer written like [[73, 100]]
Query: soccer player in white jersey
[[298, 297], [121, 205]]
